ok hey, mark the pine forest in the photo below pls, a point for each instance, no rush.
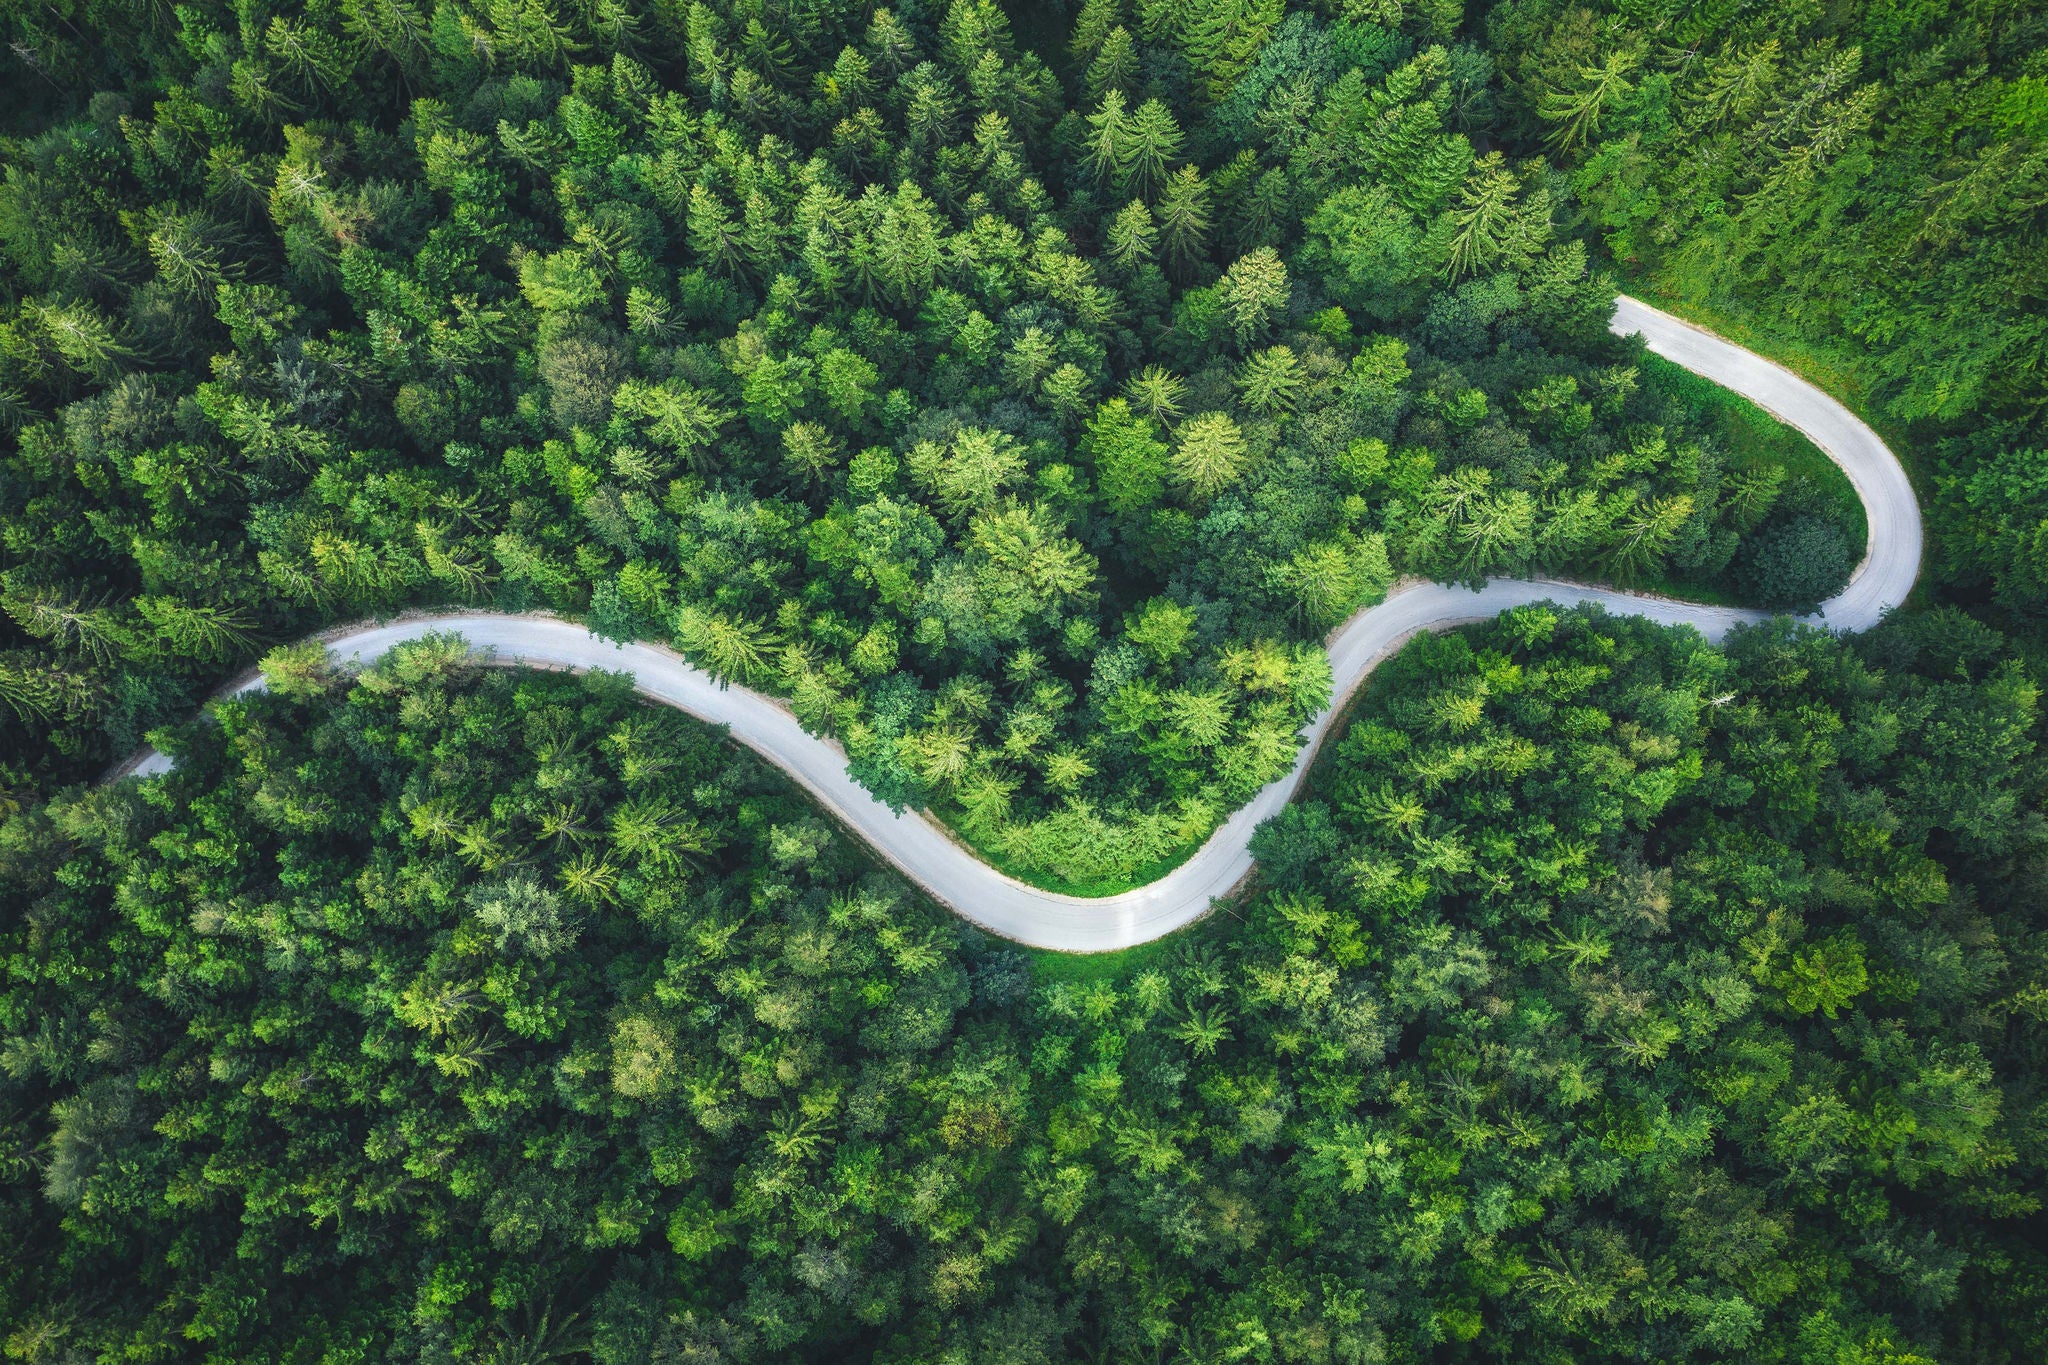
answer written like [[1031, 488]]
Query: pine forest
[[1019, 395]]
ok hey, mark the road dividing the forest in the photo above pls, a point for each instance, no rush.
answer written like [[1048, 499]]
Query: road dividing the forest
[[924, 852]]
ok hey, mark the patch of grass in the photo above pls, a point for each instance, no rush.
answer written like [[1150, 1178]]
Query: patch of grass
[[1713, 593], [1047, 965], [1824, 367]]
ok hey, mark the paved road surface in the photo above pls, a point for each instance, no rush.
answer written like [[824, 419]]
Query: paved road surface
[[954, 876]]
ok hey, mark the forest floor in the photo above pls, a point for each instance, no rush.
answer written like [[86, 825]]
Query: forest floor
[[1751, 436]]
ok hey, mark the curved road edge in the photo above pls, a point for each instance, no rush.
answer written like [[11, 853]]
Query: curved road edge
[[921, 849]]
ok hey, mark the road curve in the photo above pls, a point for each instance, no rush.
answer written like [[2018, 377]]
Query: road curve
[[918, 847]]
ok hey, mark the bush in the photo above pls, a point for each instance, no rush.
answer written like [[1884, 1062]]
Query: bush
[[1796, 563]]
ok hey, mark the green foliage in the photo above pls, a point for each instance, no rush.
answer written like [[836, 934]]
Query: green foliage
[[501, 1013], [1851, 186], [834, 349], [1795, 562], [1024, 420], [512, 1000], [1992, 526]]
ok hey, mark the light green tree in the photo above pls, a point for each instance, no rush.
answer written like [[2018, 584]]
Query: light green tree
[[1183, 211], [1270, 381], [1254, 291], [1210, 454], [1132, 236]]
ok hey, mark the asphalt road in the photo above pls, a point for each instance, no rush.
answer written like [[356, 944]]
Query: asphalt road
[[954, 876]]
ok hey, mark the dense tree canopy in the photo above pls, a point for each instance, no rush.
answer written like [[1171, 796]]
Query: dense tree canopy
[[1611, 997], [858, 351], [1021, 394], [484, 996], [1863, 179]]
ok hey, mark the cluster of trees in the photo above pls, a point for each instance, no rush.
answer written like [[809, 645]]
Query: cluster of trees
[[1025, 417], [1646, 1001], [470, 1016], [1025, 422], [1612, 997], [1864, 179]]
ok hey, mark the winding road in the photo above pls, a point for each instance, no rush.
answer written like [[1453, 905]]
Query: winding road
[[954, 876]]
